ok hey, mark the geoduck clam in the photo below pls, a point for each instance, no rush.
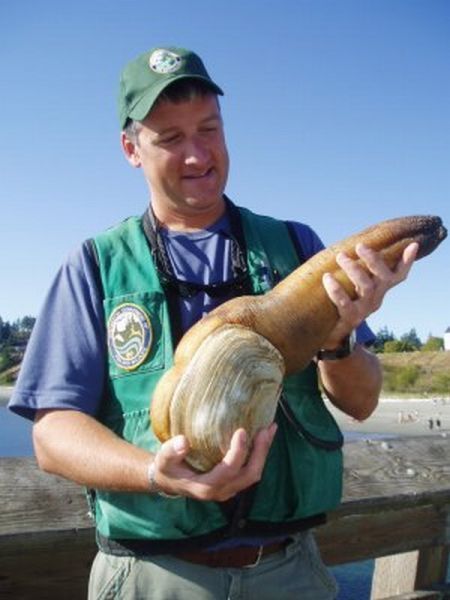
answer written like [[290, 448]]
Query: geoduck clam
[[229, 367]]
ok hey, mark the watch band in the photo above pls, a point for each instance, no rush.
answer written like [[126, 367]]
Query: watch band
[[345, 349]]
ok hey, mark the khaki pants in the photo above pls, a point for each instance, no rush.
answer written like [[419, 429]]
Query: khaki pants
[[295, 572]]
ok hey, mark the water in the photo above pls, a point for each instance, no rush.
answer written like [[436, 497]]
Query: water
[[354, 579], [15, 434]]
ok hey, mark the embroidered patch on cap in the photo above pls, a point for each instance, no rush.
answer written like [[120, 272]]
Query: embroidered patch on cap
[[130, 335], [163, 61]]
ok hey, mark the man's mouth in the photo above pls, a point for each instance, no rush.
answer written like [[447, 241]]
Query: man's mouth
[[202, 175]]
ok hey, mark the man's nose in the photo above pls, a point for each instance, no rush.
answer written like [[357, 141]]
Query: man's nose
[[196, 152]]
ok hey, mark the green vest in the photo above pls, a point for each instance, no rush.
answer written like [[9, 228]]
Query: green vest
[[302, 475]]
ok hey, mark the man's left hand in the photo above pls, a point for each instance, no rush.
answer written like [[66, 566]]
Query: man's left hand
[[370, 286]]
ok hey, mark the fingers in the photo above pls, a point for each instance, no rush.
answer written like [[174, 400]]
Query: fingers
[[361, 279], [405, 263], [336, 292], [238, 450], [170, 469], [371, 284], [348, 311], [237, 471], [381, 271], [373, 261], [173, 451], [261, 446]]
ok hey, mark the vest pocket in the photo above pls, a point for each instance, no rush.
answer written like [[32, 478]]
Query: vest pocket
[[137, 341]]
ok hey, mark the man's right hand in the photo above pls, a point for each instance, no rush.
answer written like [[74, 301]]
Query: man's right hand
[[233, 474]]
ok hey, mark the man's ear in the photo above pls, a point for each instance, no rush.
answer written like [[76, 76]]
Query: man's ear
[[131, 150]]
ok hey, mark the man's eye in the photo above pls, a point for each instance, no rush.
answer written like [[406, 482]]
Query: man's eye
[[169, 140]]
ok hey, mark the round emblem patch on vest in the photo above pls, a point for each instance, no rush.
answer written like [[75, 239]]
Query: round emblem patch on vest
[[130, 336], [163, 61]]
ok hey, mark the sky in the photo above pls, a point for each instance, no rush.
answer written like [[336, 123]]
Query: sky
[[337, 114]]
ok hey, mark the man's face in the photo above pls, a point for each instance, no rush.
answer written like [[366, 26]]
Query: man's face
[[181, 149]]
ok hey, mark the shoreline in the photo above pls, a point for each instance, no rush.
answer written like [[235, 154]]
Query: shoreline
[[406, 416]]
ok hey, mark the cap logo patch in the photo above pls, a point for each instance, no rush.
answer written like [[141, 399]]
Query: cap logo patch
[[163, 61], [130, 335]]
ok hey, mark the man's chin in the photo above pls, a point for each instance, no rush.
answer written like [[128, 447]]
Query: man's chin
[[204, 203]]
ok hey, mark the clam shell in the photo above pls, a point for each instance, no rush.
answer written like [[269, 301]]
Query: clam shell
[[233, 380]]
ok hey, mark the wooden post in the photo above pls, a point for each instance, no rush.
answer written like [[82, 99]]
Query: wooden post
[[418, 570], [394, 575]]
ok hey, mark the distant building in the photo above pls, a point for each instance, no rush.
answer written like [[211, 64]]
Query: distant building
[[447, 339]]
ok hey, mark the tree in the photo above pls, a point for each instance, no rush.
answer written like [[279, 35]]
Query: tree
[[6, 359], [411, 340], [13, 340], [398, 346], [433, 344], [5, 331], [383, 336], [393, 346], [27, 324]]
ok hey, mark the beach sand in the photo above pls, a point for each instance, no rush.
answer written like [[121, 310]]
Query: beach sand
[[392, 417], [402, 417]]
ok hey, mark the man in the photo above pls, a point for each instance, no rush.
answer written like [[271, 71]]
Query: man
[[106, 335]]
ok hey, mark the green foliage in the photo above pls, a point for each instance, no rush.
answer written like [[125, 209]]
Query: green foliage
[[7, 378], [401, 379], [392, 346], [411, 340], [13, 340], [5, 331], [386, 341], [407, 376], [6, 359], [16, 333], [398, 346], [27, 324], [433, 344], [441, 383], [383, 336]]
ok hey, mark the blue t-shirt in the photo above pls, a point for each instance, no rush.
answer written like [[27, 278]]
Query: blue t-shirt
[[64, 365]]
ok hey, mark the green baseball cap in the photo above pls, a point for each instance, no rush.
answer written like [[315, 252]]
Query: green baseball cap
[[144, 78]]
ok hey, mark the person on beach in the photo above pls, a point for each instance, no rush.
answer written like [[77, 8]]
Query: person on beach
[[105, 336]]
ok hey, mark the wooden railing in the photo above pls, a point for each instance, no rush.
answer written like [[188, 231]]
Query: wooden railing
[[396, 509]]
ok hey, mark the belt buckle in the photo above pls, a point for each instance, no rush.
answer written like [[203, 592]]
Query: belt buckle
[[258, 559]]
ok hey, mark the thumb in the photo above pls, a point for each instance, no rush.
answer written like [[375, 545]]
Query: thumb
[[174, 450]]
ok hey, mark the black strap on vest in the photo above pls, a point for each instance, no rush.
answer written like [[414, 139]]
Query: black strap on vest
[[188, 289], [329, 445], [175, 289]]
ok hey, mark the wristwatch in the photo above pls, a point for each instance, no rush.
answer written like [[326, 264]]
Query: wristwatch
[[342, 351]]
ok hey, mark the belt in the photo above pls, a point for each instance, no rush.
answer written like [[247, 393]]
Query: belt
[[232, 558]]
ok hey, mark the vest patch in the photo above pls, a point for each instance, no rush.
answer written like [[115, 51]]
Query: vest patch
[[130, 335]]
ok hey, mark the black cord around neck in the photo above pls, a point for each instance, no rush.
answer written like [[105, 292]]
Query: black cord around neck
[[239, 283]]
